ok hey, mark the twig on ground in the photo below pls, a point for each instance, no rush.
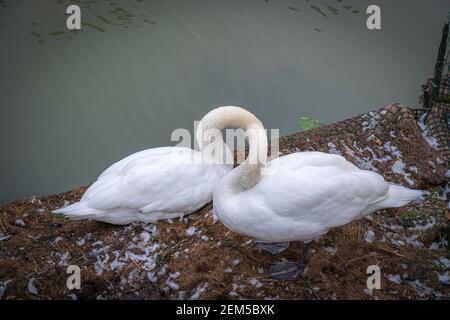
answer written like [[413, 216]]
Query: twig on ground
[[137, 264], [1, 224], [357, 259], [389, 251], [313, 291]]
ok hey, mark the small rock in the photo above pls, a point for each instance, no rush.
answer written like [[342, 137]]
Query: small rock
[[190, 231], [394, 278], [20, 223], [31, 288], [369, 236], [368, 291], [444, 278], [255, 282], [331, 250]]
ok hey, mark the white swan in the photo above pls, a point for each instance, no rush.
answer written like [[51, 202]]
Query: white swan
[[161, 183], [307, 194]]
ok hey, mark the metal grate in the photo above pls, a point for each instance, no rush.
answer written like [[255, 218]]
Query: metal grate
[[436, 104], [436, 99]]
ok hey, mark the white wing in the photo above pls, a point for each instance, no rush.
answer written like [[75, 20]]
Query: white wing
[[310, 194], [156, 180], [313, 158]]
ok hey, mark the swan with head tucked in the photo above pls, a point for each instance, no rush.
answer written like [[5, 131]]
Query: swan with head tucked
[[298, 197], [162, 183]]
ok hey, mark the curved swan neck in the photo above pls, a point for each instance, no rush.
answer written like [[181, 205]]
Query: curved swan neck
[[247, 174], [257, 140], [209, 128]]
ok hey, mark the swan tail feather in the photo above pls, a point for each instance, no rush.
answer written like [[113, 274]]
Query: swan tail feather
[[119, 216], [79, 211], [399, 196]]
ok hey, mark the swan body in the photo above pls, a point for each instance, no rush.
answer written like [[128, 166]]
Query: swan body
[[300, 197], [310, 193], [147, 186], [161, 183]]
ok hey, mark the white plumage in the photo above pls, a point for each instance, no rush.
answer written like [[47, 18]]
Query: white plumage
[[309, 193], [147, 186], [302, 196], [160, 183]]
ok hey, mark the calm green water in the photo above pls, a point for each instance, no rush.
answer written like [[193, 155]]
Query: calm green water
[[74, 102]]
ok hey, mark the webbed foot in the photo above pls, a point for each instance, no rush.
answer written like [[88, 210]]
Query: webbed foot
[[273, 248], [285, 271], [290, 270]]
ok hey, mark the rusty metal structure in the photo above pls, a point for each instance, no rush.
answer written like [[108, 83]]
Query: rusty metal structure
[[436, 104], [436, 99], [437, 118]]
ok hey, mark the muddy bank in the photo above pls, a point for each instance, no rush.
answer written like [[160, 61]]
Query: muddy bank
[[198, 258]]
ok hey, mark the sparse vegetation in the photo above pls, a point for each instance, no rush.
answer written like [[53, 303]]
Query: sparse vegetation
[[306, 123]]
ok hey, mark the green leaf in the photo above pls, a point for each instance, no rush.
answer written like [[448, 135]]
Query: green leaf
[[306, 123]]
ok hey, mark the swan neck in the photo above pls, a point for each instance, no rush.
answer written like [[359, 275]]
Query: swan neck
[[248, 174], [209, 128]]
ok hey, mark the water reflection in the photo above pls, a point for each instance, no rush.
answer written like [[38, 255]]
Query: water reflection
[[103, 15], [73, 102]]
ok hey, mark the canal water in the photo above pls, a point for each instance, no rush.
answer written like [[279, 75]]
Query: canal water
[[72, 103]]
